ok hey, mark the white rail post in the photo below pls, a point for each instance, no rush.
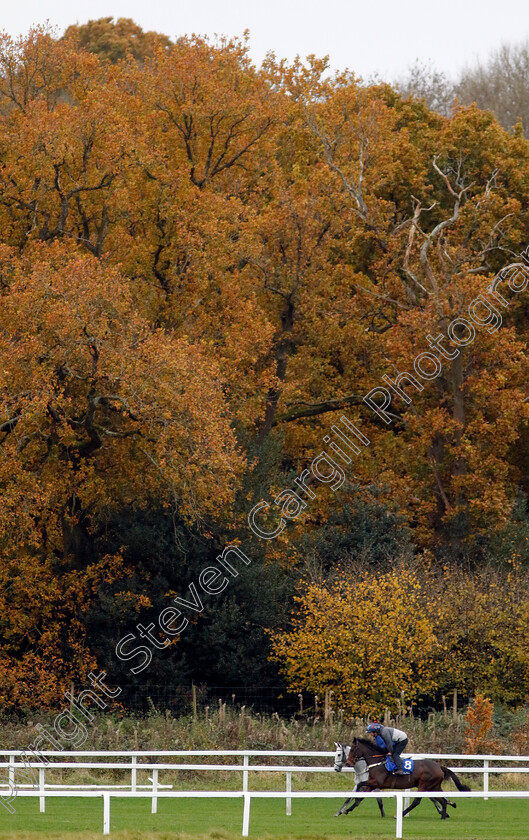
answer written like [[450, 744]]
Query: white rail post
[[12, 771], [398, 831], [154, 809], [246, 761], [106, 813], [485, 777], [42, 785], [289, 790], [133, 774], [246, 814]]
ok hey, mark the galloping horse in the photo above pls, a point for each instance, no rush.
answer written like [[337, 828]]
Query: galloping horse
[[427, 775], [361, 776]]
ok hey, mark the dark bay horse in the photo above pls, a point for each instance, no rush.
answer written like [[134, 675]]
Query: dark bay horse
[[427, 775], [361, 776]]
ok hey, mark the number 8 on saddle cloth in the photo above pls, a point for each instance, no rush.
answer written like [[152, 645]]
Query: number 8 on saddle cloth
[[407, 764]]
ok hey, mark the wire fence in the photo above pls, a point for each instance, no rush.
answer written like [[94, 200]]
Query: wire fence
[[189, 699]]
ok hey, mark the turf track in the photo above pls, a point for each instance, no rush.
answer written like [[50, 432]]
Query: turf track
[[222, 820]]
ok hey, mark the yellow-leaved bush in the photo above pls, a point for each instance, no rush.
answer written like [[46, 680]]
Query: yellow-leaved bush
[[367, 639], [408, 632]]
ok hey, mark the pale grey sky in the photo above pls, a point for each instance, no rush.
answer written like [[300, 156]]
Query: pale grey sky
[[385, 36]]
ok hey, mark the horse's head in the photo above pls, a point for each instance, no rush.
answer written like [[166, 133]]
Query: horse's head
[[354, 754], [340, 757]]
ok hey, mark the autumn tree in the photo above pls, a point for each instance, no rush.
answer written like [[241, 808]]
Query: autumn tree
[[428, 218], [366, 638], [368, 635], [113, 40], [307, 228], [482, 625], [63, 147], [478, 724], [205, 264], [99, 410]]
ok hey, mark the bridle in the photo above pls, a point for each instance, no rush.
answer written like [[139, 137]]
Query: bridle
[[344, 757], [342, 760]]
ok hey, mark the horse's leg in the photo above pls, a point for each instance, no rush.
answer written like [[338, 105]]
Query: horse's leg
[[442, 803], [448, 802], [344, 806], [357, 801], [440, 806], [380, 802], [344, 809], [416, 801]]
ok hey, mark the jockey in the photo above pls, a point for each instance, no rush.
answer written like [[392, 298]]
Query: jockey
[[392, 740]]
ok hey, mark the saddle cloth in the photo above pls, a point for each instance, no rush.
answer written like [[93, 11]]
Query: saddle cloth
[[407, 764]]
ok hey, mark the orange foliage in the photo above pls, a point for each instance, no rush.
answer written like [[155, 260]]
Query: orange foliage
[[478, 720], [198, 257]]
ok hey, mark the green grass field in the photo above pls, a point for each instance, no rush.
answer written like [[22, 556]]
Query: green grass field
[[221, 819]]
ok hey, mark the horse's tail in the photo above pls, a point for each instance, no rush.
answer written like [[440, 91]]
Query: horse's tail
[[449, 774]]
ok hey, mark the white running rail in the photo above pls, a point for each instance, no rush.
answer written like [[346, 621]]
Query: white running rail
[[136, 761], [266, 794]]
